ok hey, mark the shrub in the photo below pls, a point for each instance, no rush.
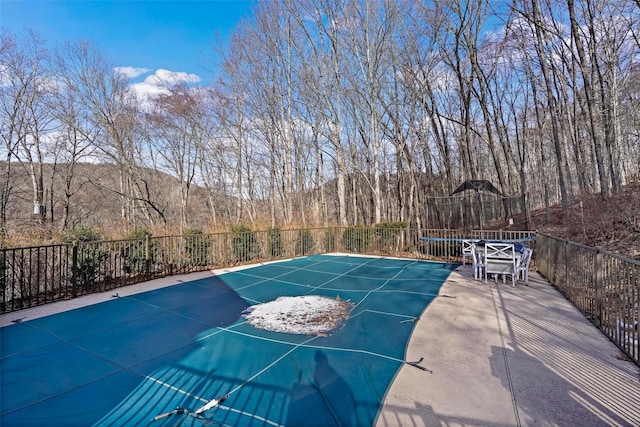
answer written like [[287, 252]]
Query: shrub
[[134, 252], [197, 245], [89, 257], [304, 242], [244, 243], [82, 234], [329, 240], [386, 232], [357, 239], [393, 225], [274, 237]]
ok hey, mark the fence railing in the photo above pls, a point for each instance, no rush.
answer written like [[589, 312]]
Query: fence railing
[[37, 275], [602, 285], [445, 243]]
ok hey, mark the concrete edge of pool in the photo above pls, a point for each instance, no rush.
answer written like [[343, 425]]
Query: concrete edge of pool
[[504, 356]]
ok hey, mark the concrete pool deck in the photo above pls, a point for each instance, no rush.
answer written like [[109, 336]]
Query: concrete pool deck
[[505, 356], [497, 356]]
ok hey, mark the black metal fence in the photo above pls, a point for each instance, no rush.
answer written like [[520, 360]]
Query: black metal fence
[[446, 244], [602, 285], [37, 275]]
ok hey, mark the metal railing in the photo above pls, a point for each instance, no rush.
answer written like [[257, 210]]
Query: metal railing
[[32, 276], [602, 285], [446, 244]]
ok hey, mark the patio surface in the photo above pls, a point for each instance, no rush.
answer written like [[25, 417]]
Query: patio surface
[[504, 356]]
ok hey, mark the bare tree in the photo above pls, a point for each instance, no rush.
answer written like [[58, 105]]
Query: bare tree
[[232, 95], [109, 104], [177, 134], [72, 145], [27, 107], [328, 88], [214, 169], [12, 122], [368, 30]]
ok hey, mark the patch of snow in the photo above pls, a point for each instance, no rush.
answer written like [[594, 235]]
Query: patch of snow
[[303, 315]]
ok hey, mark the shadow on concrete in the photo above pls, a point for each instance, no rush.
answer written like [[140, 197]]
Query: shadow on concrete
[[560, 369]]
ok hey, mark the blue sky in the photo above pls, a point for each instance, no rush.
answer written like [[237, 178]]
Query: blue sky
[[146, 35]]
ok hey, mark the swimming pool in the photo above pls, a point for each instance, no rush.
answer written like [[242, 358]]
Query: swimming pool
[[134, 360]]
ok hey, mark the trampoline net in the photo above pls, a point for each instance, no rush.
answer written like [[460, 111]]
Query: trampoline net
[[134, 359], [471, 210]]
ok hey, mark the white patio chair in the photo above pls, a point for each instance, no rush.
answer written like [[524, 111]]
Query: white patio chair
[[523, 265], [500, 259], [478, 263], [467, 250]]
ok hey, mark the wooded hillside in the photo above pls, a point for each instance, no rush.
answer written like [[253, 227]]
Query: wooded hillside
[[330, 112]]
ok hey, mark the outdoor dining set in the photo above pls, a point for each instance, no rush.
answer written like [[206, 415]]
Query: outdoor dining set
[[493, 258]]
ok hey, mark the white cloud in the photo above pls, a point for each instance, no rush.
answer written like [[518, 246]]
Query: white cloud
[[173, 77], [148, 88], [132, 72], [157, 83], [5, 78]]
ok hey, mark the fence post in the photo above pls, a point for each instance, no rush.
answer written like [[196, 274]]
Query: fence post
[[551, 262], [74, 269], [171, 255], [566, 266], [3, 280], [598, 284], [147, 254], [225, 248]]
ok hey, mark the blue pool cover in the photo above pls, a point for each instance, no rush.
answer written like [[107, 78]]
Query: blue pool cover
[[127, 361]]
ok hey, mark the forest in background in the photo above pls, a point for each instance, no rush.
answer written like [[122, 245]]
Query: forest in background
[[327, 112]]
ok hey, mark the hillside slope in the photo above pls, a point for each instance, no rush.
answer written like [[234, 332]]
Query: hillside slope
[[613, 223]]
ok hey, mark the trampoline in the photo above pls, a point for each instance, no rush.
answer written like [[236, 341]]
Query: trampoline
[[185, 356]]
